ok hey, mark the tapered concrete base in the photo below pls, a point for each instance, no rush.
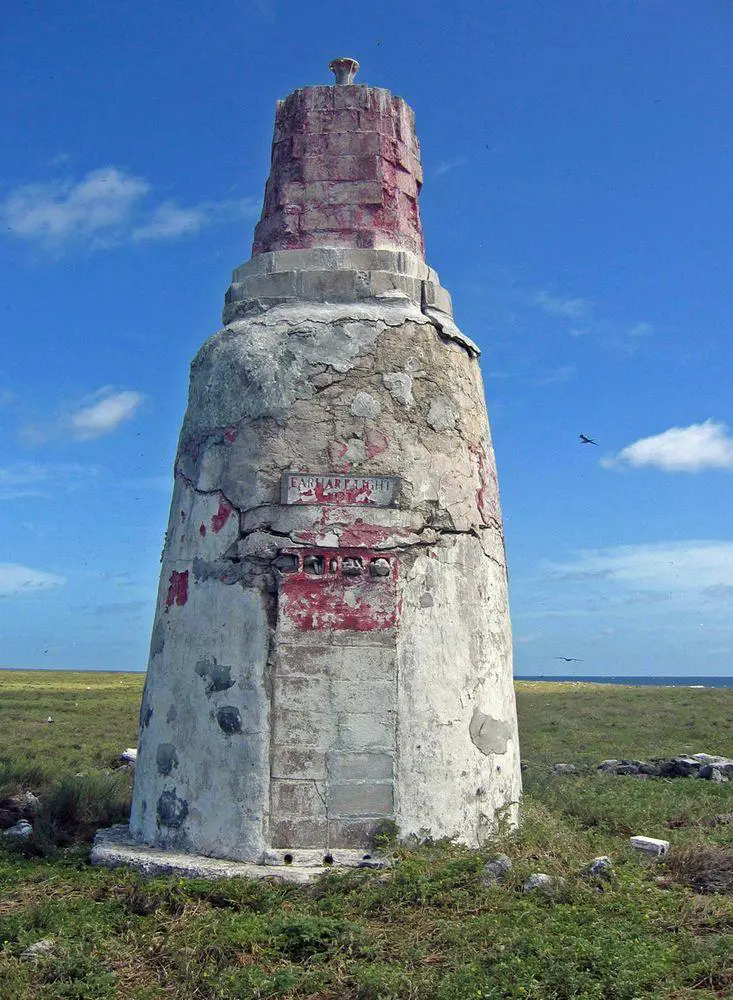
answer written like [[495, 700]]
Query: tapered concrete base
[[114, 848]]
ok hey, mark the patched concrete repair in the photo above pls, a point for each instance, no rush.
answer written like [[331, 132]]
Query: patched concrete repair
[[332, 649]]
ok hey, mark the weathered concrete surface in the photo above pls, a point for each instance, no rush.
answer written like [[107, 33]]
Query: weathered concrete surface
[[115, 848], [345, 172], [241, 678], [331, 649]]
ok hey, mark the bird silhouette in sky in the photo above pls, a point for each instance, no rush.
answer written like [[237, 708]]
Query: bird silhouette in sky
[[569, 659], [587, 440]]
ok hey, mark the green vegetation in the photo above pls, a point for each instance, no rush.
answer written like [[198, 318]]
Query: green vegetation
[[426, 929]]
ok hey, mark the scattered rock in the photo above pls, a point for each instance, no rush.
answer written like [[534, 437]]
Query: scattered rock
[[679, 767], [564, 769], [650, 846], [601, 866], [24, 805], [46, 946], [496, 869], [701, 765], [129, 756], [711, 773], [538, 881], [49, 719], [20, 831]]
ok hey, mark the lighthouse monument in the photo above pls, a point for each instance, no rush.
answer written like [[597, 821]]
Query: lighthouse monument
[[331, 652]]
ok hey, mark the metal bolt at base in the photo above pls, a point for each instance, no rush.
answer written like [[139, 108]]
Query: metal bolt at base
[[344, 69]]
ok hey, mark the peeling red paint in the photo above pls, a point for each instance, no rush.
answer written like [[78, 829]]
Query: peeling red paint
[[376, 442], [366, 142], [487, 490], [222, 516], [230, 434], [361, 534], [336, 451], [334, 601], [177, 589], [202, 529]]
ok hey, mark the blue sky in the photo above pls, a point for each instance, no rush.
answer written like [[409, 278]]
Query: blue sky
[[578, 204]]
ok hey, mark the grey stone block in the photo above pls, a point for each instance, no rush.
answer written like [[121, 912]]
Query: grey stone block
[[327, 286], [294, 762], [304, 661], [296, 798], [357, 799], [364, 731], [352, 766], [290, 833], [436, 296], [276, 285], [355, 834], [315, 259], [302, 693], [384, 282], [305, 729], [377, 697]]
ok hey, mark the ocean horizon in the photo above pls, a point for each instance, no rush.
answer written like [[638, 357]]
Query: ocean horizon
[[632, 680]]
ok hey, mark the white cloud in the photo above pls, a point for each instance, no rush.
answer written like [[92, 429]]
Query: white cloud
[[32, 479], [105, 415], [62, 212], [103, 209], [666, 567], [445, 166], [99, 414], [680, 449], [16, 579], [556, 306], [169, 221]]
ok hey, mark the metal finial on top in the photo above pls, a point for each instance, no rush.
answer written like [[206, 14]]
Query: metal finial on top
[[344, 69]]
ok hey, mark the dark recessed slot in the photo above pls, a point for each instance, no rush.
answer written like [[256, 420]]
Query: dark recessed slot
[[352, 566], [379, 567], [315, 565], [288, 859], [366, 857], [286, 563]]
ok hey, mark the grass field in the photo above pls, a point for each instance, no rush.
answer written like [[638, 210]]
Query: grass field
[[427, 929]]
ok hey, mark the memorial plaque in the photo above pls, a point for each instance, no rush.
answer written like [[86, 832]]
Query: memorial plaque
[[337, 488]]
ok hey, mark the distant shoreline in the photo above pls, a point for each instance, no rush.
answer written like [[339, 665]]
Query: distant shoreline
[[635, 680], [631, 680]]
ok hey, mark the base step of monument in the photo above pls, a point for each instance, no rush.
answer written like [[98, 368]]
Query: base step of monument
[[114, 848]]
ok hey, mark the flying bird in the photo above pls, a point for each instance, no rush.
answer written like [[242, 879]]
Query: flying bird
[[587, 440], [569, 659]]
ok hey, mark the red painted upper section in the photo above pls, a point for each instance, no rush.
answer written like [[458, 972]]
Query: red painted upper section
[[345, 172]]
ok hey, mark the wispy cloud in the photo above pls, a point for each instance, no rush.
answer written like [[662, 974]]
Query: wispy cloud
[[555, 305], [99, 414], [539, 378], [106, 414], [680, 449], [445, 166], [584, 321], [118, 608], [671, 567], [16, 579], [103, 209], [170, 222], [34, 479]]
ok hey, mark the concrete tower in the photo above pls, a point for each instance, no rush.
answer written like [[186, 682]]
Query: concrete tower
[[331, 647]]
